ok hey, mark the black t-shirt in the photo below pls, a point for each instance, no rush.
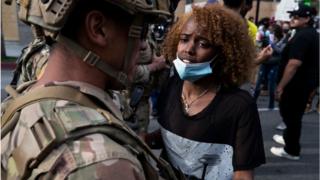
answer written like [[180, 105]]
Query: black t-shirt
[[304, 46], [230, 119]]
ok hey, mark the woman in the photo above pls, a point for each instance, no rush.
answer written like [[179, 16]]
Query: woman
[[210, 128]]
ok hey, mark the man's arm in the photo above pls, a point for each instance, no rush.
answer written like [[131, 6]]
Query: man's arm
[[91, 157], [243, 175], [143, 72], [289, 71], [158, 63]]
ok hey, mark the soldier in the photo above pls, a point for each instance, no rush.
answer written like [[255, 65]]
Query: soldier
[[144, 82], [33, 60], [151, 70], [64, 125]]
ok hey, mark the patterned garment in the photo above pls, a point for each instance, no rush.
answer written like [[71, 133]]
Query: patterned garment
[[138, 116], [93, 156], [32, 62], [190, 157]]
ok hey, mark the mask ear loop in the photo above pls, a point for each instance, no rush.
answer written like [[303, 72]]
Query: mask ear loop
[[217, 62], [214, 60]]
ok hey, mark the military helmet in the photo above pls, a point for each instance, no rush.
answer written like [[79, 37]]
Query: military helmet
[[52, 14]]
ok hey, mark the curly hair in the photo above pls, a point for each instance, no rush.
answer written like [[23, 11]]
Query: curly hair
[[228, 32]]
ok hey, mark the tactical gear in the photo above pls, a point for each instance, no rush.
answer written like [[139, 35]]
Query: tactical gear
[[166, 5], [135, 98], [33, 58], [136, 95], [46, 135], [52, 14]]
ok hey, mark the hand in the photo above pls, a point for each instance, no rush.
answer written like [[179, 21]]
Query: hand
[[264, 54], [267, 51], [278, 93], [158, 63]]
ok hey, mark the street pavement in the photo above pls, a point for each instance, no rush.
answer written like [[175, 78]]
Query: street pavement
[[307, 168]]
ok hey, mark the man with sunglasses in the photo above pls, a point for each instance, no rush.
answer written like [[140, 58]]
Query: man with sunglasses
[[298, 76]]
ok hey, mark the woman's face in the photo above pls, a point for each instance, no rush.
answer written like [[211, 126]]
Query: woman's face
[[193, 47]]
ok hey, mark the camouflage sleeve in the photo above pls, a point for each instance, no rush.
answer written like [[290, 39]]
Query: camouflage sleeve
[[33, 66], [91, 157], [142, 74], [117, 169]]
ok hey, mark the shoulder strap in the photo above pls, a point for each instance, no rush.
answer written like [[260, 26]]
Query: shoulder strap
[[11, 91], [51, 92]]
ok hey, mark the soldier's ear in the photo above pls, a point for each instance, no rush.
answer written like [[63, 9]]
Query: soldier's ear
[[95, 27]]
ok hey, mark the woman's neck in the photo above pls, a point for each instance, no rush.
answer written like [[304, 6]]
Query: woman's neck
[[191, 89], [197, 96]]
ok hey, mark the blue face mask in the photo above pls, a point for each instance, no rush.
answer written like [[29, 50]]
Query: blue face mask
[[193, 71]]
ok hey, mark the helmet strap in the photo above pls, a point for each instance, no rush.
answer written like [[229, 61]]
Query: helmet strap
[[135, 32], [94, 60]]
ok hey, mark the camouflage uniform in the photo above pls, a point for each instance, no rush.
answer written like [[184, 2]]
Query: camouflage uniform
[[34, 58], [32, 62], [143, 78], [149, 81], [93, 156]]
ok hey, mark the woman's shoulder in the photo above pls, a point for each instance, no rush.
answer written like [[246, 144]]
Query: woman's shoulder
[[173, 79], [170, 86], [236, 96]]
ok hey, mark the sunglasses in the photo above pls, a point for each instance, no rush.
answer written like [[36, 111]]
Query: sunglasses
[[296, 17]]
